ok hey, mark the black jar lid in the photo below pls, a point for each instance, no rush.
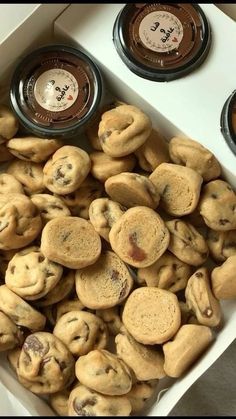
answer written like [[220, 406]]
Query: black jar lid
[[55, 90], [228, 121], [162, 41]]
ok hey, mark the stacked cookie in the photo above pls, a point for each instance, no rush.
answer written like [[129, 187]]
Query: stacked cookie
[[104, 261]]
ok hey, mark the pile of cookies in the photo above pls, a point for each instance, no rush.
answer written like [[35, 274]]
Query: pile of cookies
[[112, 263]]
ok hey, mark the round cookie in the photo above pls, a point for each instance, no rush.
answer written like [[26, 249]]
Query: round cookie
[[218, 205], [141, 394], [45, 364], [112, 317], [103, 213], [33, 149], [223, 280], [105, 284], [81, 332], [5, 155], [123, 130], [10, 336], [222, 244], [8, 123], [86, 402], [129, 238], [151, 315], [104, 372], [20, 312], [63, 288], [104, 166], [179, 188], [9, 184], [29, 174], [30, 275], [132, 189], [192, 154], [66, 170], [146, 363], [168, 273], [50, 206], [187, 243], [71, 241], [153, 152], [59, 402]]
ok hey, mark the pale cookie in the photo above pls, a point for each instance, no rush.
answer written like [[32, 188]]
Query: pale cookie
[[200, 299], [66, 170], [62, 289], [5, 155], [103, 213], [9, 184], [188, 344], [20, 223], [151, 315], [68, 305], [129, 238], [112, 318], [86, 402], [223, 280], [71, 241], [13, 358], [145, 362], [59, 402], [123, 130], [131, 190], [79, 201], [30, 275], [141, 394], [104, 166], [8, 123], [33, 149], [179, 188], [20, 312], [45, 364], [81, 332], [218, 205], [105, 284], [29, 174], [50, 207], [222, 244], [153, 152], [104, 372], [187, 243], [168, 273], [10, 335]]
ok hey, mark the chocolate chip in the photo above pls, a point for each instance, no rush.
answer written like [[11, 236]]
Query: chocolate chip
[[208, 312], [123, 292], [32, 343], [59, 174], [223, 221], [198, 274], [136, 253], [41, 259], [12, 269], [214, 196], [79, 406], [104, 136], [48, 274], [114, 275], [69, 166], [54, 206], [66, 235]]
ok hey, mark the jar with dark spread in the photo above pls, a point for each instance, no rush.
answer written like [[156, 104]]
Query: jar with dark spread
[[162, 41], [228, 121], [55, 91]]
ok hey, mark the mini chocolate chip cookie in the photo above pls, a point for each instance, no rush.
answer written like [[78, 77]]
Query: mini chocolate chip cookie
[[5, 155], [86, 402], [168, 273], [8, 123], [223, 279], [187, 243], [31, 275], [59, 402], [192, 154], [104, 372], [129, 238], [50, 207], [132, 189], [151, 315], [45, 364], [153, 152], [71, 241], [58, 293], [66, 170], [33, 149], [10, 336], [9, 184], [222, 244], [123, 130], [67, 305], [141, 394], [179, 188], [105, 284], [218, 205], [112, 317], [29, 174], [104, 166]]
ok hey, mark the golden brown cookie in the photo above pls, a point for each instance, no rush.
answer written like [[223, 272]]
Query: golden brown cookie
[[33, 149], [10, 335], [223, 279], [29, 174], [141, 394], [9, 184], [8, 123], [104, 166], [153, 152], [49, 206]]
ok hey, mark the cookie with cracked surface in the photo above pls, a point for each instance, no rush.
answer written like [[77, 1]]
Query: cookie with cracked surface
[[218, 205], [190, 153], [222, 244], [58, 293], [50, 207], [168, 273], [151, 315], [223, 279], [19, 311], [153, 152], [45, 364], [186, 243], [29, 174], [123, 130], [132, 189], [86, 402], [179, 188], [10, 336], [31, 275], [66, 170], [9, 184], [129, 238], [141, 394], [33, 149], [84, 332], [8, 123], [104, 372], [104, 166], [105, 284], [71, 241]]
